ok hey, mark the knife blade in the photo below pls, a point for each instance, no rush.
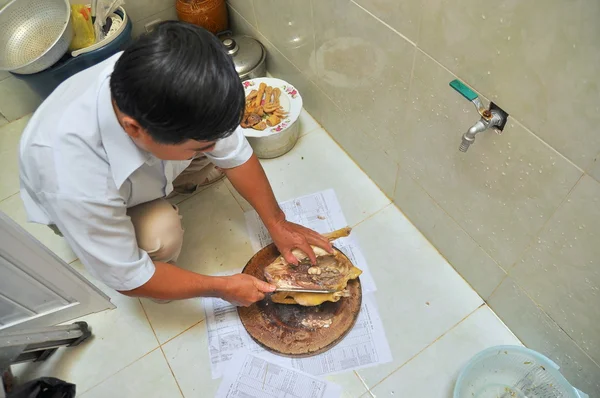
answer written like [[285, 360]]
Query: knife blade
[[287, 290]]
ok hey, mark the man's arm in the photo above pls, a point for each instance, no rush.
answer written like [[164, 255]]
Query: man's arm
[[251, 182], [170, 282], [103, 237]]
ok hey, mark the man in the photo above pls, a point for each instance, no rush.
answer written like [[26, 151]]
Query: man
[[101, 153]]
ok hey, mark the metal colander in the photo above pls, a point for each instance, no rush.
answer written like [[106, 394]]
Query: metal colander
[[34, 35]]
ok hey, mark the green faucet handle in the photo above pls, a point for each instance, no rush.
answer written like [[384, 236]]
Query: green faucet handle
[[463, 89], [469, 94]]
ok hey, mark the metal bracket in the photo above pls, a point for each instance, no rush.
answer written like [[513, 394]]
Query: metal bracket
[[495, 109]]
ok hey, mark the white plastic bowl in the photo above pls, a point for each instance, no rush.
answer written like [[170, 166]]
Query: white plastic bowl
[[513, 372]]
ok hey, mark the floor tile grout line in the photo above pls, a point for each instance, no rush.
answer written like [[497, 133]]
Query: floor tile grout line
[[283, 55], [310, 132], [148, 319], [550, 147], [118, 371], [167, 359], [198, 191], [544, 225], [505, 325], [182, 332], [429, 345], [419, 29], [10, 196], [160, 346], [443, 256], [318, 125], [316, 128], [384, 23], [367, 394], [395, 181], [333, 139], [412, 74], [371, 215], [591, 167], [172, 372], [239, 13], [253, 14], [429, 241], [363, 383], [20, 117], [333, 103], [313, 30], [354, 161], [343, 112], [453, 220], [553, 321], [496, 288]]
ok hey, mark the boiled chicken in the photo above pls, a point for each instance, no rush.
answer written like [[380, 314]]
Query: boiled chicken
[[332, 272]]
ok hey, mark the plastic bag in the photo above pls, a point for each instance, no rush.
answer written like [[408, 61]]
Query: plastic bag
[[44, 387], [103, 10], [83, 30]]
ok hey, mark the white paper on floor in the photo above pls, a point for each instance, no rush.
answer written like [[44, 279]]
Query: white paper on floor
[[321, 212], [249, 376], [364, 346]]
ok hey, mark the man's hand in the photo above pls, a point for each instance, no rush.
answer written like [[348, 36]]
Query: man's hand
[[251, 182], [243, 290], [289, 236]]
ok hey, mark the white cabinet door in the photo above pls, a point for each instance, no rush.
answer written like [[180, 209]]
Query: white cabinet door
[[37, 288]]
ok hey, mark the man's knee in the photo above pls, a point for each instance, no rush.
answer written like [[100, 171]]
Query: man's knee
[[158, 229]]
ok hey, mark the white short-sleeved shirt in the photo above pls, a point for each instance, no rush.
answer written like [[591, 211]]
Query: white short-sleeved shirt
[[81, 171]]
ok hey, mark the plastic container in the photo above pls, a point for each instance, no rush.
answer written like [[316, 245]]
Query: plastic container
[[513, 372], [118, 26]]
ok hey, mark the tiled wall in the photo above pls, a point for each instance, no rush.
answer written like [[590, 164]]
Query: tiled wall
[[518, 215], [17, 100]]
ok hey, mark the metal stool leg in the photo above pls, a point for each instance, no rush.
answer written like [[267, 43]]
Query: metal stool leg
[[38, 344]]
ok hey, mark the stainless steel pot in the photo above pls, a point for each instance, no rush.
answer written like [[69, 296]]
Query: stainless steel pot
[[278, 144], [249, 56]]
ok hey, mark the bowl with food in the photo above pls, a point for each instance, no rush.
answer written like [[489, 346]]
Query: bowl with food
[[271, 113]]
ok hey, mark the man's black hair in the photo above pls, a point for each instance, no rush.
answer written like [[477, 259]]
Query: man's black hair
[[179, 83]]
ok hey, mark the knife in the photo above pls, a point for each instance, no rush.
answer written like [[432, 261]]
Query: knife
[[292, 290]]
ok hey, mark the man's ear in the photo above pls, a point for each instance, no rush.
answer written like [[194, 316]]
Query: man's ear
[[132, 127]]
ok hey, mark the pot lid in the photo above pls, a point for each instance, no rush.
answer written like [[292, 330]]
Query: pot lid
[[247, 52]]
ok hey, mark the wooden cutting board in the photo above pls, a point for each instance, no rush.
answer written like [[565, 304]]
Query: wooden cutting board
[[293, 330]]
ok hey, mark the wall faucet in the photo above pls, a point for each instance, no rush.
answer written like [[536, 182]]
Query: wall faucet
[[494, 117]]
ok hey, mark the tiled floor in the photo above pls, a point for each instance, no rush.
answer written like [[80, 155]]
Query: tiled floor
[[143, 349]]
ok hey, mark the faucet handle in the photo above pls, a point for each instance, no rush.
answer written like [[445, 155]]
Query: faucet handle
[[469, 94], [463, 89]]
